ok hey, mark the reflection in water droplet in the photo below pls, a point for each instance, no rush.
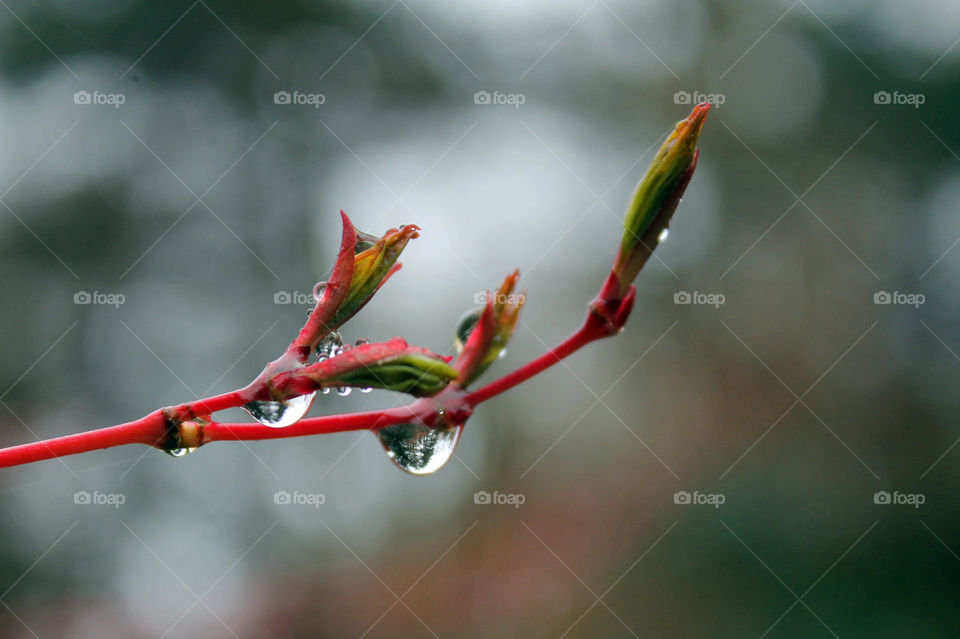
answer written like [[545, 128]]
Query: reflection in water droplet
[[280, 414], [419, 449], [664, 234], [318, 290], [179, 452], [329, 346], [465, 326], [364, 241]]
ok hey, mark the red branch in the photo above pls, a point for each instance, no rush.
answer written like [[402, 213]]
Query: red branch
[[190, 425], [152, 429]]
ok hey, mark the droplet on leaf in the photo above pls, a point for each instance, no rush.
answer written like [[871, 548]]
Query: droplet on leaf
[[318, 290], [329, 346], [465, 326]]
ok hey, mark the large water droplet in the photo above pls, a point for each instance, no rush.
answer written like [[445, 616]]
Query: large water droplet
[[465, 326], [419, 449], [280, 414], [664, 234]]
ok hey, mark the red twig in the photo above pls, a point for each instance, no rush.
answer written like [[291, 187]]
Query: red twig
[[152, 429], [355, 277]]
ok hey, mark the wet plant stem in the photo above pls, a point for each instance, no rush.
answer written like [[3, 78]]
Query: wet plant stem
[[355, 278], [154, 428]]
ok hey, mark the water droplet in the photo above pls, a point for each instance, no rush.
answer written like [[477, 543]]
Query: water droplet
[[360, 342], [465, 326], [664, 234], [179, 452], [364, 242], [419, 449], [343, 391], [329, 346], [318, 290], [280, 414], [325, 390], [503, 353]]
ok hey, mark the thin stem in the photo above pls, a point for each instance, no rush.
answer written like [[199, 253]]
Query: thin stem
[[368, 420], [590, 331], [149, 430], [152, 429], [189, 425]]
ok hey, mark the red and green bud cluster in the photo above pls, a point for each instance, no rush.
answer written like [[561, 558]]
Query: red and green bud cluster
[[487, 339], [392, 365]]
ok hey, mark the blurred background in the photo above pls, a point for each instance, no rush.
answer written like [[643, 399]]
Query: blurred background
[[769, 450]]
